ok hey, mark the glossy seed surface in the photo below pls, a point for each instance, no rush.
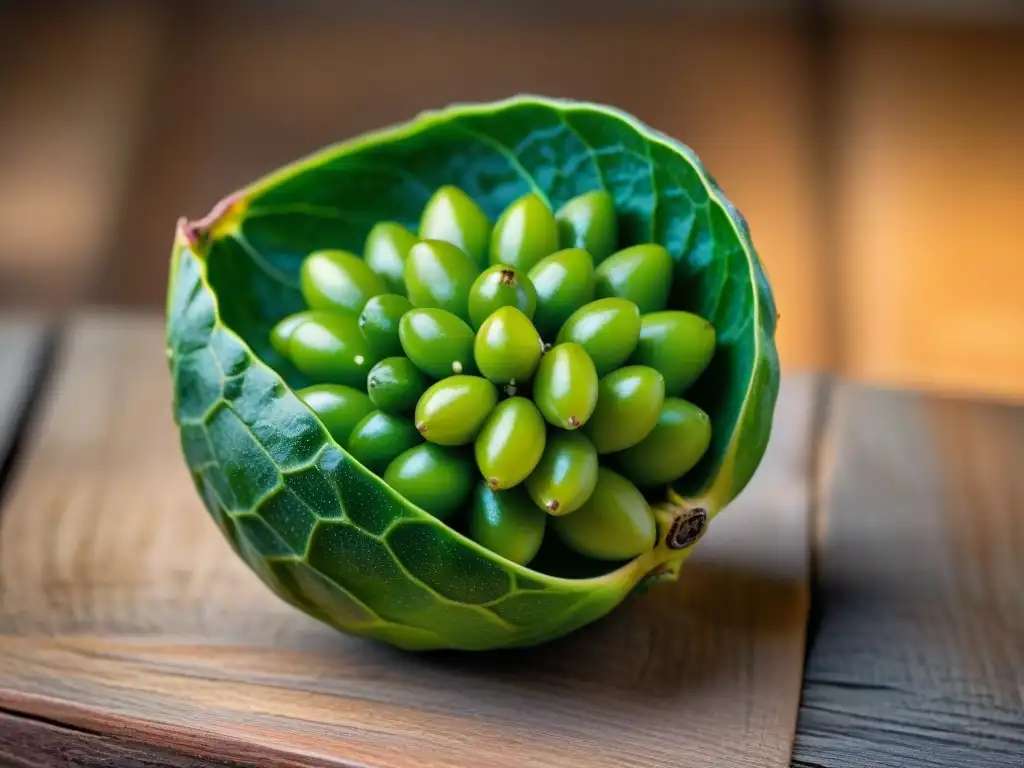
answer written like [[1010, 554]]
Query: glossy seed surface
[[615, 523], [588, 221], [679, 344], [281, 333], [642, 274], [525, 233], [566, 474], [331, 349], [439, 480], [500, 286], [452, 216], [507, 347], [511, 443], [438, 342], [395, 385], [507, 523], [339, 407], [679, 439], [563, 282], [452, 411], [628, 403], [378, 323], [338, 281], [565, 386], [437, 274], [379, 438], [385, 251], [608, 329]]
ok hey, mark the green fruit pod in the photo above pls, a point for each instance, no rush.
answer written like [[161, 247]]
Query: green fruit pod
[[387, 557]]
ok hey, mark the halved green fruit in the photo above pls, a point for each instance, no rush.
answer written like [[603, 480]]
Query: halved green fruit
[[332, 538]]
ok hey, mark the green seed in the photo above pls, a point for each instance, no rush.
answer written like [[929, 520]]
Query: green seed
[[330, 349], [507, 523], [588, 222], [507, 347], [564, 282], [642, 274], [385, 251], [452, 411], [511, 443], [339, 407], [565, 477], [628, 403], [379, 323], [379, 438], [608, 329], [437, 274], [500, 286], [438, 480], [395, 385], [452, 216], [616, 523], [438, 342], [565, 387], [679, 344], [338, 280], [281, 333], [675, 445], [525, 233]]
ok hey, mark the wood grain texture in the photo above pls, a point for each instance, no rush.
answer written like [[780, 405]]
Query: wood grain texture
[[918, 654], [122, 611], [732, 85], [31, 743], [74, 80], [931, 179], [21, 344]]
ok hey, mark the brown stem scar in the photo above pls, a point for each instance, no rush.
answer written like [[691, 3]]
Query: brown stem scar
[[573, 422], [493, 483], [421, 427], [507, 277], [552, 506], [687, 528]]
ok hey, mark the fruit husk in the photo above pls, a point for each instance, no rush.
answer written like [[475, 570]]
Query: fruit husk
[[323, 532]]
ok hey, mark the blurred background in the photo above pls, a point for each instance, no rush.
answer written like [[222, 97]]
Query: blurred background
[[876, 147]]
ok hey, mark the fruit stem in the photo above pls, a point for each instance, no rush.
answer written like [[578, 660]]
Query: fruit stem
[[681, 523]]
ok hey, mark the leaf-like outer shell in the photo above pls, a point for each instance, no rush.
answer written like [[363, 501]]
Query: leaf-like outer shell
[[323, 532]]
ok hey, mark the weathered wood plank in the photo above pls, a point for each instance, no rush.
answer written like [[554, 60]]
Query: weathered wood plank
[[124, 612], [918, 657], [30, 743], [21, 343]]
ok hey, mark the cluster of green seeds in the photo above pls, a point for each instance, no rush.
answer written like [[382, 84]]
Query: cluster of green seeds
[[508, 377]]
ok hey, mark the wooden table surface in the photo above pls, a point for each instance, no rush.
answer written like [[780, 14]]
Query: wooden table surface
[[859, 605]]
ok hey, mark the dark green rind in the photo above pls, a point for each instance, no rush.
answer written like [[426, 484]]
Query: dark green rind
[[234, 274]]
